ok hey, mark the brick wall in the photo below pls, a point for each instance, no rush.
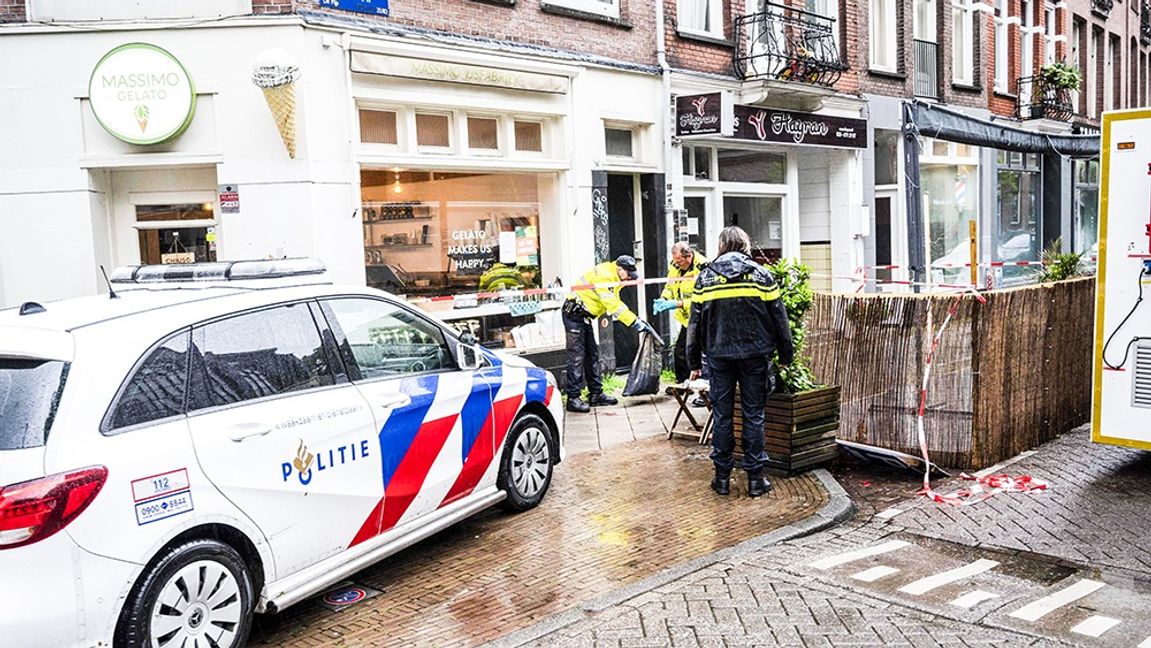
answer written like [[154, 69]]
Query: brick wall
[[12, 11], [630, 39], [262, 7], [715, 56], [1128, 73], [901, 83]]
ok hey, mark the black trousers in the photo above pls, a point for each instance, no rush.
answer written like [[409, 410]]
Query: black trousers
[[582, 357], [679, 357], [752, 377]]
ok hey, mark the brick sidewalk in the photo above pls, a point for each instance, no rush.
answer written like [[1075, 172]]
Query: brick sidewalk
[[1095, 512], [626, 504]]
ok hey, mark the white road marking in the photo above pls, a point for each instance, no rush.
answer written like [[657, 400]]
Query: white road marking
[[925, 585], [1044, 606], [1146, 643], [887, 514], [859, 554], [971, 599], [874, 574], [1095, 626]]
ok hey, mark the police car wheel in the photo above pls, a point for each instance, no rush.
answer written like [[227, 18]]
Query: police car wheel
[[526, 467], [198, 593]]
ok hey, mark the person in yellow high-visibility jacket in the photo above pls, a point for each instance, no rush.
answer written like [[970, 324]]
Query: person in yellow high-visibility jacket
[[685, 262], [598, 298]]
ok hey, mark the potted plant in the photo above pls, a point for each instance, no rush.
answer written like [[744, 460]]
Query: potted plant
[[1061, 76], [802, 415]]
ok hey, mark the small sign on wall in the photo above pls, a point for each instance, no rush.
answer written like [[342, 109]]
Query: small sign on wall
[[374, 7], [178, 257], [229, 199]]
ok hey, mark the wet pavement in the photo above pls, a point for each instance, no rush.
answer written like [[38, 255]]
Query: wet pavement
[[627, 504], [1066, 567]]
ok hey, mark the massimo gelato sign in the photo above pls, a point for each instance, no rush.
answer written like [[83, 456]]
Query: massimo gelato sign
[[142, 94]]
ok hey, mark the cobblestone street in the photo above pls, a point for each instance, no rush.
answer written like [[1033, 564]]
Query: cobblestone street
[[988, 574], [611, 518]]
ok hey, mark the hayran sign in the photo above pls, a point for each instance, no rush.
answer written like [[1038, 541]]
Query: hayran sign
[[787, 127], [141, 94]]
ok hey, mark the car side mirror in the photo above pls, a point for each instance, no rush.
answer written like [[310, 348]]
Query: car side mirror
[[470, 356]]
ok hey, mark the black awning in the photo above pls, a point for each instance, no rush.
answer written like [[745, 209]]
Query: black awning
[[932, 120]]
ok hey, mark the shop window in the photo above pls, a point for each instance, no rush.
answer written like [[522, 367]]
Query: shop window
[[752, 166], [762, 218], [702, 157], [483, 134], [433, 131], [529, 136], [685, 152], [700, 16], [1019, 222], [1087, 208], [951, 197], [378, 127], [886, 157], [433, 233], [618, 142], [176, 233]]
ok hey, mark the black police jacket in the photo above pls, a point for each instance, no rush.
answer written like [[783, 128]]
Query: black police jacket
[[737, 313]]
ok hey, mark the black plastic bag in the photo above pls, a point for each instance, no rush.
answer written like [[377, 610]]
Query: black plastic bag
[[646, 368]]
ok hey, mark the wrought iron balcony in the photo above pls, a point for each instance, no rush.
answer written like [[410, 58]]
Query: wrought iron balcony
[[1038, 99], [926, 69], [1102, 7], [1145, 23], [790, 44]]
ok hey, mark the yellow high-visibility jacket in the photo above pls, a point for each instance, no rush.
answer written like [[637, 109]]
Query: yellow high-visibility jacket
[[683, 290], [604, 301]]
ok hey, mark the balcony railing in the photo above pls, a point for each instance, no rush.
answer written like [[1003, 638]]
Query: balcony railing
[[1102, 7], [787, 43], [926, 69], [1038, 99], [1145, 23]]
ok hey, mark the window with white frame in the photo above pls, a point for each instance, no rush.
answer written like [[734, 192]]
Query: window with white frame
[[700, 17], [882, 43], [609, 8], [925, 27], [1049, 34], [963, 43], [1001, 49], [618, 142]]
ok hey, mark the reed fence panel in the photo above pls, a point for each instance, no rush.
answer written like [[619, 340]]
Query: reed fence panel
[[1007, 375]]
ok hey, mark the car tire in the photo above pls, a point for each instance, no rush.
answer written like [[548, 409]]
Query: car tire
[[527, 463], [193, 591]]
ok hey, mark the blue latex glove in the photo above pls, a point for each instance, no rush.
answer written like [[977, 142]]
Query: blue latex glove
[[660, 305]]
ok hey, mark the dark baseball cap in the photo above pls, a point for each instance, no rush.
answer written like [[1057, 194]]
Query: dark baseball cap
[[627, 262]]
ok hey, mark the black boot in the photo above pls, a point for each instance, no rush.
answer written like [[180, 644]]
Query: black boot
[[577, 404], [600, 399], [757, 485], [721, 485]]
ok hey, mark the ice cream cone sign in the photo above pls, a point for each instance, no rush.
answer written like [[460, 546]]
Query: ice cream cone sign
[[141, 112], [276, 73]]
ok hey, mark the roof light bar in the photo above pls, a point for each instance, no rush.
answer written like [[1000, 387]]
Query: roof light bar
[[217, 271]]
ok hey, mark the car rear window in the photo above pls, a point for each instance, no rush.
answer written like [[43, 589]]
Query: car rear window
[[29, 394]]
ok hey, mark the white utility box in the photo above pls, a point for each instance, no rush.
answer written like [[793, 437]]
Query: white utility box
[[1121, 401]]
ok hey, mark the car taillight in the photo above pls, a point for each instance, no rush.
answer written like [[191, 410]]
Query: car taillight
[[33, 510]]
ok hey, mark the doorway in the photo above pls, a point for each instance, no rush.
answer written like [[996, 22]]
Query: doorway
[[622, 240], [176, 233]]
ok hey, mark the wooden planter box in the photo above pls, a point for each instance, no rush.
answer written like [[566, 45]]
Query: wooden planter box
[[799, 429]]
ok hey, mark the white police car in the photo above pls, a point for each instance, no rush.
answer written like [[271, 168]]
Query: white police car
[[223, 439]]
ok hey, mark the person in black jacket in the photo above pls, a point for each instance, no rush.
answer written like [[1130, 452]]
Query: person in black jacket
[[738, 321]]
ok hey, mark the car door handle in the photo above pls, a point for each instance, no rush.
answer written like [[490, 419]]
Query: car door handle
[[393, 401], [245, 431]]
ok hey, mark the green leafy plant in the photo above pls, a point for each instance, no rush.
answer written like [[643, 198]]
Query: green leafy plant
[[667, 377], [794, 280], [1058, 265], [1061, 75]]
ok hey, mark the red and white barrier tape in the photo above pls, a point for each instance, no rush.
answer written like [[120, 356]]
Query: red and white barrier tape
[[986, 485]]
